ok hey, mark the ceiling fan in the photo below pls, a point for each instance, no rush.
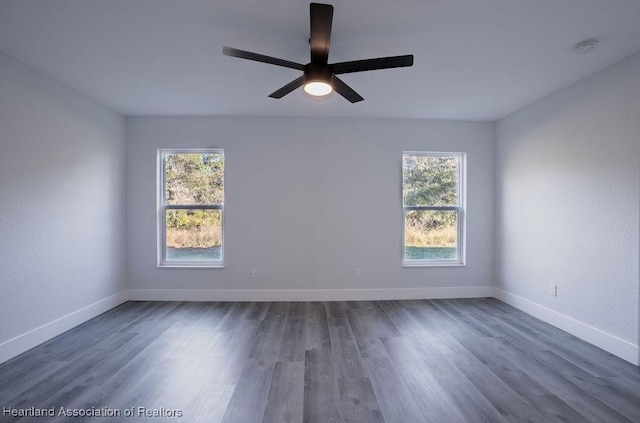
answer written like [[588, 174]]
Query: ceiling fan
[[319, 77]]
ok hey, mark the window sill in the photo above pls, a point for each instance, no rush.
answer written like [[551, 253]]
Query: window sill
[[416, 263], [191, 265]]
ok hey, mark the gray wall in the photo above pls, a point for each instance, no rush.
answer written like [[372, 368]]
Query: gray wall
[[62, 245], [568, 201], [308, 201]]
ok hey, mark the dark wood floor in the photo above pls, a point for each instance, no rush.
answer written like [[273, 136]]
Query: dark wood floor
[[441, 361]]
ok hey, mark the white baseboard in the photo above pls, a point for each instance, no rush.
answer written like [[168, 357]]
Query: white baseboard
[[610, 343], [28, 340], [308, 294]]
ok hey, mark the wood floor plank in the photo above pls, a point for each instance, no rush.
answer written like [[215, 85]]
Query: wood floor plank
[[369, 324], [358, 402], [236, 350], [210, 404], [401, 317], [249, 399], [240, 312], [292, 342], [268, 340], [396, 402], [286, 393], [316, 328], [321, 395], [432, 400], [344, 349]]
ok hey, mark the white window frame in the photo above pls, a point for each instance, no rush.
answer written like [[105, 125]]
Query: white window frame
[[460, 260], [162, 207]]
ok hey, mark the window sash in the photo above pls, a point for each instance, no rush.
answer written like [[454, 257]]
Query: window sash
[[163, 207], [190, 263], [432, 208], [458, 208], [189, 207], [461, 163], [458, 259]]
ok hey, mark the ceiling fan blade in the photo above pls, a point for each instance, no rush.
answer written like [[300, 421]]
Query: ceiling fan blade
[[321, 18], [241, 54], [288, 88], [373, 64], [346, 91]]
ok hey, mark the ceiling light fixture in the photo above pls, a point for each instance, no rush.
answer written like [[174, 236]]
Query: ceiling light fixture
[[317, 88], [318, 80]]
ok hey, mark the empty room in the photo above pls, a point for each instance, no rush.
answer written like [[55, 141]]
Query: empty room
[[284, 211]]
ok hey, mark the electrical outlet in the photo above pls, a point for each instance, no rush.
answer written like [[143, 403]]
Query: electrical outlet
[[254, 273], [358, 272], [553, 289]]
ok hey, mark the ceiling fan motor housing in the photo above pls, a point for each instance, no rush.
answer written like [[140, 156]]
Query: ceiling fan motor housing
[[314, 72]]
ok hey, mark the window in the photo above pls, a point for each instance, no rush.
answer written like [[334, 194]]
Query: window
[[433, 208], [191, 208]]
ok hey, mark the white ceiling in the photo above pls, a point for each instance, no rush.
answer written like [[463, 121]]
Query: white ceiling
[[474, 59]]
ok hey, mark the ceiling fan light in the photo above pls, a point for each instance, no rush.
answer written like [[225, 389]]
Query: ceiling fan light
[[318, 88], [318, 80]]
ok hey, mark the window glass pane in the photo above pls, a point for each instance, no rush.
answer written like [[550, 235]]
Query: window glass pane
[[431, 235], [194, 178], [430, 180], [193, 235]]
